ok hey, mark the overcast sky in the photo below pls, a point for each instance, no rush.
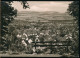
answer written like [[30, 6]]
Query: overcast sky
[[58, 6]]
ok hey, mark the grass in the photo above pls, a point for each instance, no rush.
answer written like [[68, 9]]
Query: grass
[[30, 55], [36, 55]]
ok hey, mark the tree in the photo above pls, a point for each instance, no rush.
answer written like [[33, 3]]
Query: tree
[[7, 16], [73, 10]]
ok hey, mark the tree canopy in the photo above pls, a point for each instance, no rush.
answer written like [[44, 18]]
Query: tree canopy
[[7, 16], [73, 9]]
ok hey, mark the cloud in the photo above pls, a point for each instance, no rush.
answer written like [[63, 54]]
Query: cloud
[[37, 8], [59, 6], [17, 5]]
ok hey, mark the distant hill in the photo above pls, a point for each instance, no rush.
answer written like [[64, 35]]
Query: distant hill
[[42, 16]]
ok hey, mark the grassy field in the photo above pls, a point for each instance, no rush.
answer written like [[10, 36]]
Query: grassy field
[[30, 55], [36, 55]]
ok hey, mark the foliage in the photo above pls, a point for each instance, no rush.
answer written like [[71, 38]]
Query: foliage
[[41, 27], [43, 37], [7, 16], [74, 11]]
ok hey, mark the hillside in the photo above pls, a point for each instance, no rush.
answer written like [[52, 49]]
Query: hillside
[[42, 16]]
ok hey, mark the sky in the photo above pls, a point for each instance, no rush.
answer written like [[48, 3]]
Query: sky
[[41, 6]]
